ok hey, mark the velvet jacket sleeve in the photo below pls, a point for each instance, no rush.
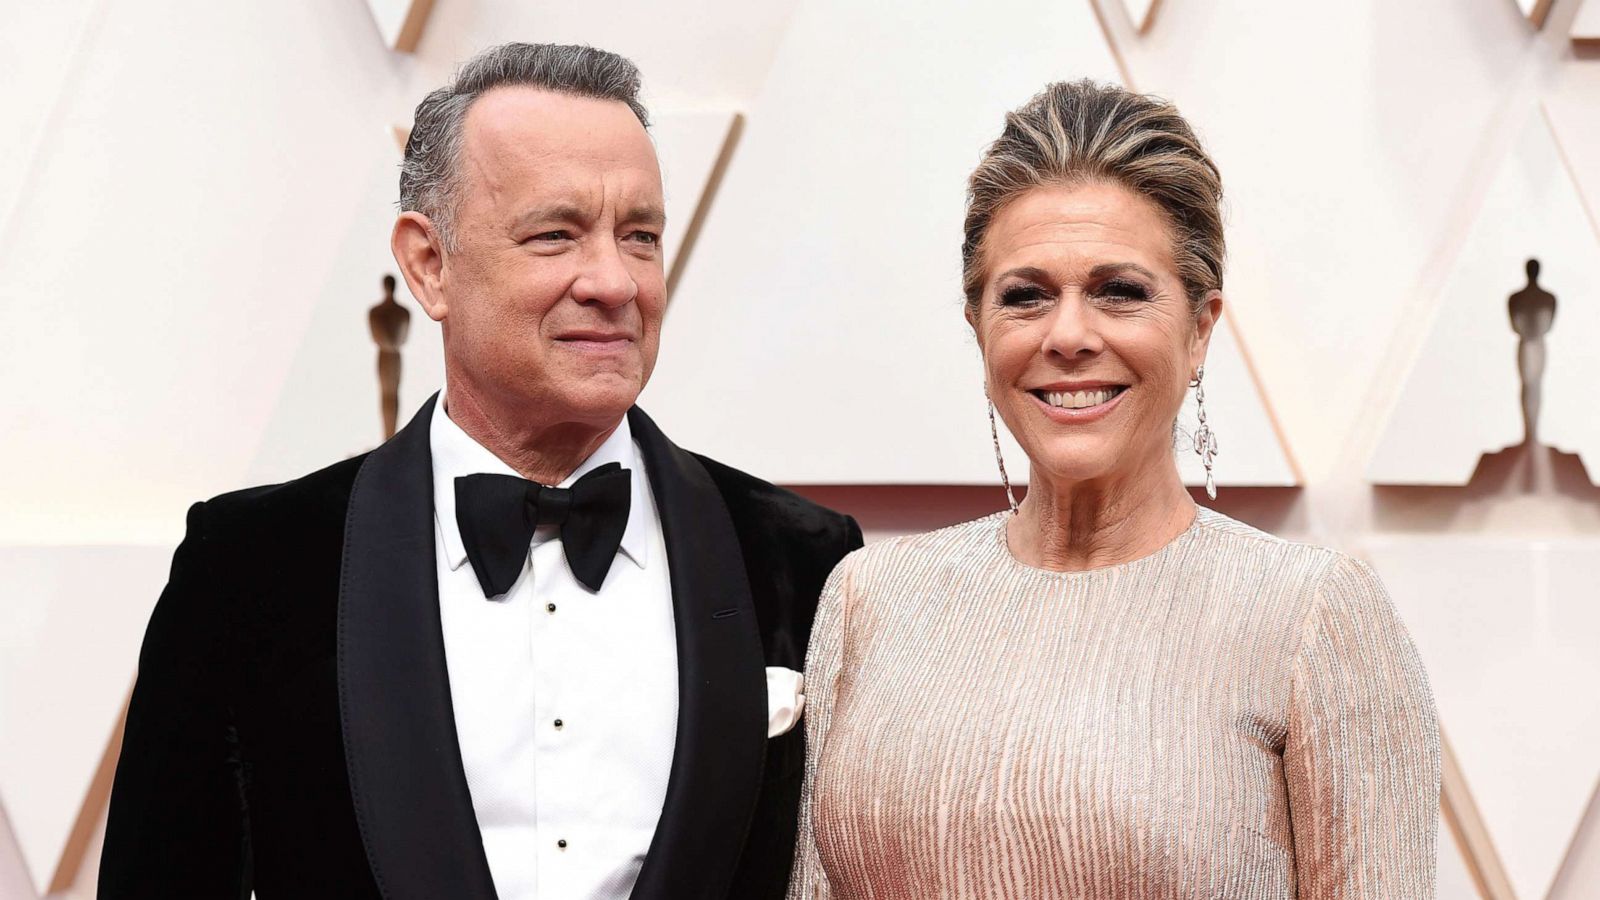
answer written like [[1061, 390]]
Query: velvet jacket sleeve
[[177, 824], [1362, 754]]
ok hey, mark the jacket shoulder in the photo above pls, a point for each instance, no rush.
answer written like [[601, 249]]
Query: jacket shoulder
[[789, 545], [313, 503], [760, 507]]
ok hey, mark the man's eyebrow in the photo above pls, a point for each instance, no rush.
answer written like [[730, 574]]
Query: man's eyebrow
[[648, 214], [555, 212]]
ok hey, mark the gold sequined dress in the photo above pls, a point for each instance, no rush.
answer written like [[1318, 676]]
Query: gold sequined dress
[[1234, 717]]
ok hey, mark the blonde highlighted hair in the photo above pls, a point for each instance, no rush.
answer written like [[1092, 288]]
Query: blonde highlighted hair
[[1079, 131]]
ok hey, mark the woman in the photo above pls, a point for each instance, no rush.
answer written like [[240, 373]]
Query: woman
[[1106, 692]]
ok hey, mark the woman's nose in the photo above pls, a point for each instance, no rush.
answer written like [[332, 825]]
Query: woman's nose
[[1073, 330]]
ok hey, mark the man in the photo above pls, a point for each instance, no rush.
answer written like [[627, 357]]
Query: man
[[527, 648]]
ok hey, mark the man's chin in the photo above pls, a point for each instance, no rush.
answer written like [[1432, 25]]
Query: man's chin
[[601, 400]]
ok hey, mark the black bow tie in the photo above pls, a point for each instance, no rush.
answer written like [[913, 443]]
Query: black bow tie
[[498, 513]]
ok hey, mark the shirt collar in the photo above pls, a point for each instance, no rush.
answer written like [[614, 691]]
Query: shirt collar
[[455, 454]]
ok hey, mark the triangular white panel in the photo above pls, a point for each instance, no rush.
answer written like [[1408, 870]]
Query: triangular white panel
[[1462, 396], [164, 305], [1249, 452], [1535, 10], [79, 611], [1455, 876], [1507, 630], [400, 22], [1586, 25], [688, 144], [1141, 13], [327, 406], [823, 302], [43, 45], [817, 334]]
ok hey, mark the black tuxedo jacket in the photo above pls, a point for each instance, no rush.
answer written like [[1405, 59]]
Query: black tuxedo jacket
[[291, 729]]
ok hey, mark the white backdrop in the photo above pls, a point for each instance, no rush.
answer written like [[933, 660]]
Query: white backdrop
[[1462, 397], [817, 336], [1507, 681], [188, 245]]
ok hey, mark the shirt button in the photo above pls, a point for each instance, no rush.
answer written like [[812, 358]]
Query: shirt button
[[562, 843], [558, 724], [550, 607]]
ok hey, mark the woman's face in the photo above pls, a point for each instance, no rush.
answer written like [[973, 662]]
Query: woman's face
[[1087, 337]]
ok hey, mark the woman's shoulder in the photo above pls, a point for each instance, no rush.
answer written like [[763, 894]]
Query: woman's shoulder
[[918, 551], [1231, 537], [1313, 568]]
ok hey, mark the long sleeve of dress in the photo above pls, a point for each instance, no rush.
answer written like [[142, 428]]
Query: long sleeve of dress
[[1361, 758], [824, 658]]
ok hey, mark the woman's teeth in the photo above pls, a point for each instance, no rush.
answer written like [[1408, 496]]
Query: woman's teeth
[[1080, 399]]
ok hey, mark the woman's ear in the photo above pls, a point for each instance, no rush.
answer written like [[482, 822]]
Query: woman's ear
[[1205, 322], [416, 247]]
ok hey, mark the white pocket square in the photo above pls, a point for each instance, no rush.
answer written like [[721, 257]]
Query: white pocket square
[[785, 699]]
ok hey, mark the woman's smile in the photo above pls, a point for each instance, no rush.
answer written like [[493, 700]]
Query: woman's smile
[[1078, 405]]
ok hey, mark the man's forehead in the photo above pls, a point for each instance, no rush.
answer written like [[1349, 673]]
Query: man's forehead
[[530, 119], [527, 151]]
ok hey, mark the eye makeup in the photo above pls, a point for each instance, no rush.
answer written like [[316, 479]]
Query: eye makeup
[[1124, 289], [1021, 295]]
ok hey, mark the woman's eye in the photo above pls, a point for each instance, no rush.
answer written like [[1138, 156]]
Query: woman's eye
[[1125, 290], [1021, 295]]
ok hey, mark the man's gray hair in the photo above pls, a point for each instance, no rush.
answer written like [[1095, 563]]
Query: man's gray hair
[[430, 174]]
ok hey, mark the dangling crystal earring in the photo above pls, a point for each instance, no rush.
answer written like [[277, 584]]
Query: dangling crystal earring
[[994, 432], [1205, 440]]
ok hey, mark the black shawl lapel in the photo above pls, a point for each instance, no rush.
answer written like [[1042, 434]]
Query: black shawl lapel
[[722, 702], [406, 777]]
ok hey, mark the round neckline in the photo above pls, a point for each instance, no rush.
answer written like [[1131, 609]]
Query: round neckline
[[1181, 538]]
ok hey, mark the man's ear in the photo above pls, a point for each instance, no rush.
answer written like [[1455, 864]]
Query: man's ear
[[417, 248], [1204, 324]]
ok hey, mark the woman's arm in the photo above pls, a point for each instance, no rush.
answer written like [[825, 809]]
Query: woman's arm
[[823, 661], [1362, 755]]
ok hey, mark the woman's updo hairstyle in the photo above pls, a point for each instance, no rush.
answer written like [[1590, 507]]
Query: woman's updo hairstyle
[[1080, 131]]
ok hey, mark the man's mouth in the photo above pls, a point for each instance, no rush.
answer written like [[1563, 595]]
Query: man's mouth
[[1083, 399], [596, 341]]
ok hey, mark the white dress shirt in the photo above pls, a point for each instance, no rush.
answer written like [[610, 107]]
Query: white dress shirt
[[566, 700]]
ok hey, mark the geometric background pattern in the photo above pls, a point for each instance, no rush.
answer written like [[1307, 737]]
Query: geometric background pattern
[[1524, 613], [181, 266], [1457, 401], [828, 277]]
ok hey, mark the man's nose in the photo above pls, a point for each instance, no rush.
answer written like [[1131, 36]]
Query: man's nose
[[605, 278], [1073, 330]]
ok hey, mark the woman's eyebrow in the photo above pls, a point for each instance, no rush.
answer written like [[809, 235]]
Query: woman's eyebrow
[[1028, 273], [1106, 270]]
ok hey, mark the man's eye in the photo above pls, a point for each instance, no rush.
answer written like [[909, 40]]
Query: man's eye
[[647, 237], [550, 236]]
